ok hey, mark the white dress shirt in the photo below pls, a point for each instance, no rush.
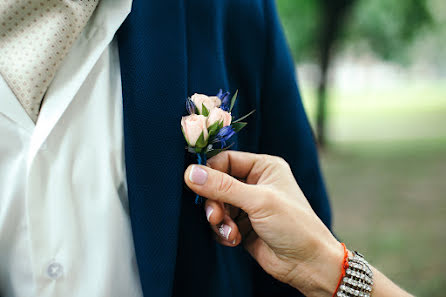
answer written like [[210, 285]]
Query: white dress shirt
[[64, 222]]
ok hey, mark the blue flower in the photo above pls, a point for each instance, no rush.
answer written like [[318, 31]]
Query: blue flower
[[225, 100], [190, 106], [224, 135]]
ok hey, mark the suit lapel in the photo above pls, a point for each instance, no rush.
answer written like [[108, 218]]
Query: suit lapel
[[153, 54]]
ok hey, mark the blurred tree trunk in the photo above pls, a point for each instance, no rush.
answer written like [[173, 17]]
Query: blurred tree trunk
[[334, 14]]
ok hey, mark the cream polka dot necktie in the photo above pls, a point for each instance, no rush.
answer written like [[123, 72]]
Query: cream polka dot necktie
[[35, 36]]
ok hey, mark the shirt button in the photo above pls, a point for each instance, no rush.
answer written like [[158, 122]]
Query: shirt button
[[54, 270]]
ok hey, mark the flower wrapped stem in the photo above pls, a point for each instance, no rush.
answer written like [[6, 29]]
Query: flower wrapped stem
[[201, 160]]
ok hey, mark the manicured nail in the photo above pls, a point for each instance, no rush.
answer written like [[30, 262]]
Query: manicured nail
[[209, 211], [233, 242], [225, 230], [197, 175]]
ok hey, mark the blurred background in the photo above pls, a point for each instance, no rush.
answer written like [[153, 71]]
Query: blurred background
[[373, 79]]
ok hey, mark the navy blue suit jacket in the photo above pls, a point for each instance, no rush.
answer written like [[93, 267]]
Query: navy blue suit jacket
[[170, 49]]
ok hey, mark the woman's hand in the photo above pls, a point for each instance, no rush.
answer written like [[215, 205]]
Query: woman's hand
[[276, 225]]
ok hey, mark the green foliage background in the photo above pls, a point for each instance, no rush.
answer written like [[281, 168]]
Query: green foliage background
[[389, 29], [387, 146]]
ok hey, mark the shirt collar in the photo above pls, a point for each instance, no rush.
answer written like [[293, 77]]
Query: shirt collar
[[96, 36]]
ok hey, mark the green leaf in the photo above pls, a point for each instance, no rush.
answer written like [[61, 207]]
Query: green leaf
[[215, 152], [244, 117], [234, 98], [204, 110], [201, 142], [214, 128], [238, 126]]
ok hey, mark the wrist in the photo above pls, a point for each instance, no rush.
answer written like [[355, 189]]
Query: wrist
[[320, 276]]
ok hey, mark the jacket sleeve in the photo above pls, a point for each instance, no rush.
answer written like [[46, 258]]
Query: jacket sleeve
[[285, 132]]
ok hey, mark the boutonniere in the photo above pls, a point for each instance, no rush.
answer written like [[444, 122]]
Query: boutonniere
[[209, 126]]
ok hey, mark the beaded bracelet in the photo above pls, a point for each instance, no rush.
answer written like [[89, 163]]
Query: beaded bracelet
[[356, 277]]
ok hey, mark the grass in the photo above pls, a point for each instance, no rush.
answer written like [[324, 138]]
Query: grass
[[385, 170], [416, 111], [390, 204]]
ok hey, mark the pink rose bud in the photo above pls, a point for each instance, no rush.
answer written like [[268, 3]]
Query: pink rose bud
[[209, 102], [219, 115], [193, 125]]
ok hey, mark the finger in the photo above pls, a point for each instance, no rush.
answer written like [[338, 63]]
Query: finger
[[215, 212], [232, 211], [234, 243], [221, 187], [238, 164], [227, 231], [244, 226]]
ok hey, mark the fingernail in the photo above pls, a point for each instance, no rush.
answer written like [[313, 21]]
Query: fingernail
[[209, 211], [233, 242], [198, 176], [225, 230]]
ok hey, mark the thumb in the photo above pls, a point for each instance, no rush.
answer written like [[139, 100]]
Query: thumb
[[218, 186]]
